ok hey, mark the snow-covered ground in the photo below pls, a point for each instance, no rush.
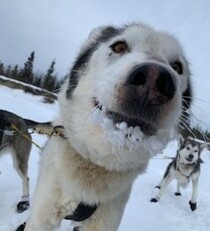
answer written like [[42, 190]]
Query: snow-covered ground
[[170, 214]]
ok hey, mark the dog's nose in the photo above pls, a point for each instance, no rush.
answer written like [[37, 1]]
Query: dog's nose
[[154, 81], [190, 156]]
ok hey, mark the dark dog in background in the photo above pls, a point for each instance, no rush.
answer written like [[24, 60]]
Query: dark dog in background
[[14, 136]]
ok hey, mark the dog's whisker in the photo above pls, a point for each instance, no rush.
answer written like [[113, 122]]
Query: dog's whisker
[[196, 106], [185, 116], [196, 98], [195, 126], [94, 109], [188, 128], [181, 127], [193, 117], [199, 121], [196, 130]]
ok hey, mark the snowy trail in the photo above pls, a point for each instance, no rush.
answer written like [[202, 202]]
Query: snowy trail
[[169, 214]]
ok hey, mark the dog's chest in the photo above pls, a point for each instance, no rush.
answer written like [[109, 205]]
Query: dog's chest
[[183, 174]]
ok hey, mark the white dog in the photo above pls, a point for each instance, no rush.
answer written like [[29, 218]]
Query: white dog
[[121, 103]]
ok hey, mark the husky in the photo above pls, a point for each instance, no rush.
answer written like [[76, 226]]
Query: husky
[[14, 135], [127, 91], [185, 167]]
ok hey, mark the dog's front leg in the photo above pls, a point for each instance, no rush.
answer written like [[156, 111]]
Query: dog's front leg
[[160, 185], [49, 205], [107, 216], [193, 204], [166, 181], [45, 215], [178, 192]]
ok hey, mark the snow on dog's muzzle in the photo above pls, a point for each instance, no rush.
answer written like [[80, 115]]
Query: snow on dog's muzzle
[[121, 135]]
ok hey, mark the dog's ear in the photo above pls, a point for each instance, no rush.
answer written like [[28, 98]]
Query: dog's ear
[[181, 140], [95, 33], [201, 161], [202, 146], [103, 33]]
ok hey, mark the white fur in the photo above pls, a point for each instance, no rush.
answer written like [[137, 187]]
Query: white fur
[[98, 163]]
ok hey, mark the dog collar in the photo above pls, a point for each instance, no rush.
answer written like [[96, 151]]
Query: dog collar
[[178, 169], [82, 212], [193, 171]]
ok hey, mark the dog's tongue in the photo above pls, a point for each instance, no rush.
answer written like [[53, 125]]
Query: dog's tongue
[[119, 135]]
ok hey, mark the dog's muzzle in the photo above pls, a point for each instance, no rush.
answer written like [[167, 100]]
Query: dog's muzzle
[[190, 158], [144, 98]]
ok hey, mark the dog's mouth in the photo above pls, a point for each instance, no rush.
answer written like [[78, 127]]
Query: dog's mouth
[[118, 118], [190, 160], [121, 131]]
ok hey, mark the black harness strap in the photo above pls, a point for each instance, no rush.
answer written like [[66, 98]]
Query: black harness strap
[[195, 165], [76, 228], [21, 227], [82, 212]]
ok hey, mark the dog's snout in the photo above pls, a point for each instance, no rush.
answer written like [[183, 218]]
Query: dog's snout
[[153, 80], [190, 156]]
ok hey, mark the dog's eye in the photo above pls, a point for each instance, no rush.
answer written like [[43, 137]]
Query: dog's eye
[[177, 66], [188, 148], [119, 47]]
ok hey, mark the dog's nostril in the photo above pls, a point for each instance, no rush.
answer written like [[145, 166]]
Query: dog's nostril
[[138, 77], [165, 84]]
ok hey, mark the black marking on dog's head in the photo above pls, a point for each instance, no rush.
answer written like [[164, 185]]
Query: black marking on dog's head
[[105, 34]]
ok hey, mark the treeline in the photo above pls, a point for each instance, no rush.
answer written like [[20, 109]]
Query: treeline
[[26, 74]]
